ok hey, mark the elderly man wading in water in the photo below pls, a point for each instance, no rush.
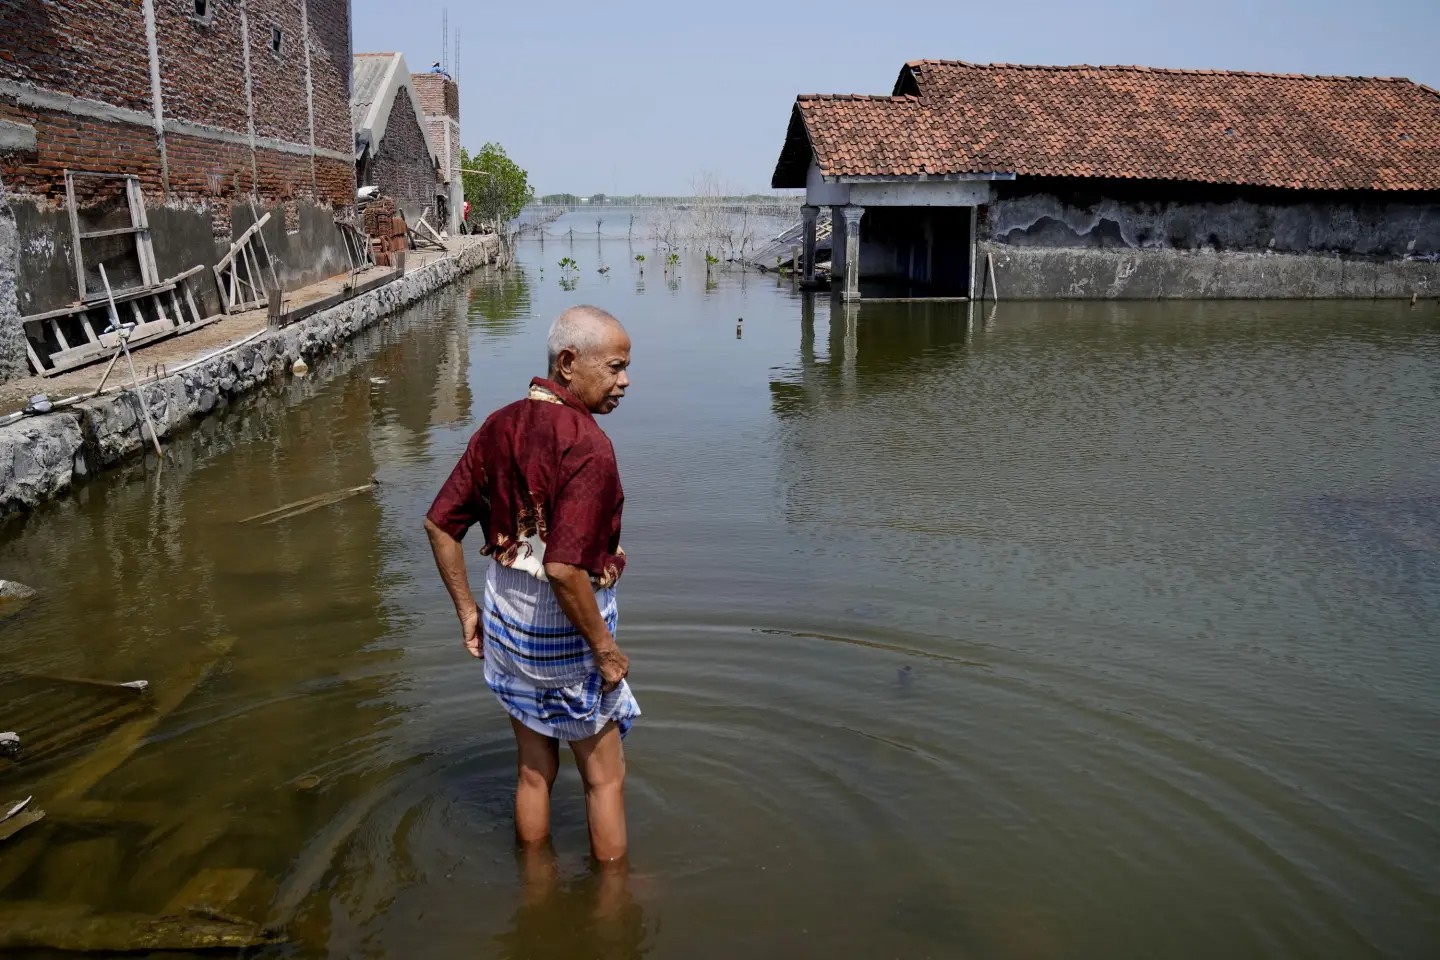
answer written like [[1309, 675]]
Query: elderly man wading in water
[[541, 480]]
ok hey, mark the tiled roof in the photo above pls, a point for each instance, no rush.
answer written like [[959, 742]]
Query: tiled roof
[[1258, 129]]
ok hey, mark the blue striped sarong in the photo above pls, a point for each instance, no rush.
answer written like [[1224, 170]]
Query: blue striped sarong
[[540, 667]]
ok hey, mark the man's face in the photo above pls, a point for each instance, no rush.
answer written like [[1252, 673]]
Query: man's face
[[598, 378]]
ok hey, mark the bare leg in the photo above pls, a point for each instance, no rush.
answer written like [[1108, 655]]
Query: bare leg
[[538, 760], [601, 760], [540, 872]]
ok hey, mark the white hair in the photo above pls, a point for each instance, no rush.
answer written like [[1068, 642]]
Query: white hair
[[581, 329]]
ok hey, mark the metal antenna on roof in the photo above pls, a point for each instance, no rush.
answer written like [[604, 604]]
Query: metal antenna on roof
[[445, 39], [455, 70]]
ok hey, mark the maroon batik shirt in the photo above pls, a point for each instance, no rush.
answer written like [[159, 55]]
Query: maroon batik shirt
[[540, 478]]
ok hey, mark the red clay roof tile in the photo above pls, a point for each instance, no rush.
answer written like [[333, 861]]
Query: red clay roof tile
[[1275, 130]]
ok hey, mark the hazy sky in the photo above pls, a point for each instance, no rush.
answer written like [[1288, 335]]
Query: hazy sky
[[637, 96]]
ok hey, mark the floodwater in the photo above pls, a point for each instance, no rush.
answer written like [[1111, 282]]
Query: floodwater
[[1044, 631]]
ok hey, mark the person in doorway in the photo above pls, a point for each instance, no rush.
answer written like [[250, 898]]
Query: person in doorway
[[465, 218], [540, 478]]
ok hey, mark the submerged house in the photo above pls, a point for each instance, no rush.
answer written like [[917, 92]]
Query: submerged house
[[1123, 182], [146, 138], [393, 150]]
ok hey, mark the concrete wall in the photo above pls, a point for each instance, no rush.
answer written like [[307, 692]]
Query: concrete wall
[[1137, 240], [207, 116], [12, 342], [1040, 273], [43, 457]]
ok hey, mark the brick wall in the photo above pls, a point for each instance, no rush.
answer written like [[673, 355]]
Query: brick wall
[[89, 48], [202, 64], [204, 167], [402, 167], [277, 81], [439, 95], [330, 73]]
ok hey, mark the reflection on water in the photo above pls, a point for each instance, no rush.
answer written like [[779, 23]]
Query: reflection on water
[[1040, 630]]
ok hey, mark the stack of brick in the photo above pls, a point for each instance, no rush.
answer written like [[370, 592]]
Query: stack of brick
[[387, 230], [379, 211]]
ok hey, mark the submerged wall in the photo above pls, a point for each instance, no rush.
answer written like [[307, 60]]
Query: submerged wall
[[42, 457], [1082, 239]]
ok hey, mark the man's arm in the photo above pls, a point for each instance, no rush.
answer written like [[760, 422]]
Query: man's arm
[[577, 598], [450, 560]]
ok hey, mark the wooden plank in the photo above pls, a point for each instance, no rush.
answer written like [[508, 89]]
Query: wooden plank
[[70, 929], [190, 301], [179, 277], [59, 335], [75, 233], [178, 315], [296, 314], [117, 232], [265, 248], [213, 890], [81, 361], [72, 309], [62, 360], [35, 365], [308, 504], [85, 325], [242, 240], [142, 333], [252, 272], [220, 286], [144, 249], [115, 749]]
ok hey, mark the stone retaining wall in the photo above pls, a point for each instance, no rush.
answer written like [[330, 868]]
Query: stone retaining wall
[[41, 457]]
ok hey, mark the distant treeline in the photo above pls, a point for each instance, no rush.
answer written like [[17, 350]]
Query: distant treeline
[[644, 200]]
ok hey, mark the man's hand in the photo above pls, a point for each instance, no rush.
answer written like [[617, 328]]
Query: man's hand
[[614, 666], [450, 561], [577, 598], [470, 631]]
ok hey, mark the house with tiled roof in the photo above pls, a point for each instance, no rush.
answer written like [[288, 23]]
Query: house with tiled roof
[[1110, 182]]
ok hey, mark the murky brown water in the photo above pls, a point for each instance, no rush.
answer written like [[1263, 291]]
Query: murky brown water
[[1062, 631]]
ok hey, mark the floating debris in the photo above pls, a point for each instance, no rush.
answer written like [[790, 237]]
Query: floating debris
[[10, 745], [309, 503], [72, 928], [127, 686], [17, 808], [379, 381], [14, 824], [300, 368]]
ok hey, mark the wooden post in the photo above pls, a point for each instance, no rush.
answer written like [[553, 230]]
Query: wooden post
[[274, 308], [990, 267]]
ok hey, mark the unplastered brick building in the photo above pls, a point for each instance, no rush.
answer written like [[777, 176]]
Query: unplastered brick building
[[440, 99], [220, 110], [393, 149]]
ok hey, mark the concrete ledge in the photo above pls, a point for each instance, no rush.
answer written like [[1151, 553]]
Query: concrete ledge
[[42, 457], [1048, 273], [18, 137]]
